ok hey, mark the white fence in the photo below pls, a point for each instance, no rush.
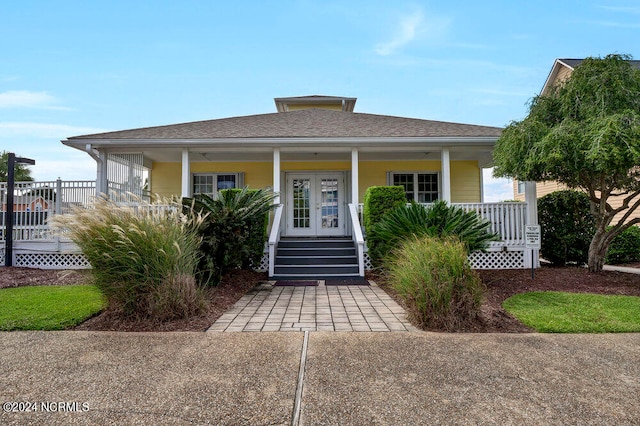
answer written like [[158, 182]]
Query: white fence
[[35, 202], [507, 219]]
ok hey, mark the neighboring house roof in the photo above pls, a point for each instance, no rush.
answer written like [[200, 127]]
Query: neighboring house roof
[[570, 65], [308, 123], [27, 199]]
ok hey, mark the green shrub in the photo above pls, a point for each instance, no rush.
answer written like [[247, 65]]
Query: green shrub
[[625, 247], [567, 227], [378, 200], [143, 259], [436, 220], [434, 278], [233, 230]]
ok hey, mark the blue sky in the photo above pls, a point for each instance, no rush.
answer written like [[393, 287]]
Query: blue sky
[[77, 67]]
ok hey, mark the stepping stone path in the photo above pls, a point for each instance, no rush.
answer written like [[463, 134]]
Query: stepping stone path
[[314, 308]]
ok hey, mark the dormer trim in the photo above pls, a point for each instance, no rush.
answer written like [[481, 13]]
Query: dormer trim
[[316, 101]]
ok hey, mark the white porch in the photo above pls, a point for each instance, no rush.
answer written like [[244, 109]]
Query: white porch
[[35, 246]]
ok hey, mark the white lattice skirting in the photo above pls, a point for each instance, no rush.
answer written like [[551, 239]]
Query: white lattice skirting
[[264, 263], [51, 260], [497, 260], [480, 260]]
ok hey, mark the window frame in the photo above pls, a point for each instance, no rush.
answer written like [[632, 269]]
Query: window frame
[[416, 173], [520, 184], [238, 176]]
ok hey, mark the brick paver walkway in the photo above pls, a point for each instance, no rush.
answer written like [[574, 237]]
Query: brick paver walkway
[[314, 308]]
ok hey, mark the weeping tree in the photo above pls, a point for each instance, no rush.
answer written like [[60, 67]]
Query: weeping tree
[[586, 135]]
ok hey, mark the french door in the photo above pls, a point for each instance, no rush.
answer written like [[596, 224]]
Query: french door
[[315, 204]]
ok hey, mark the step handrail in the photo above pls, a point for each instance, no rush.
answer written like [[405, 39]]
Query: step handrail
[[357, 236], [274, 238]]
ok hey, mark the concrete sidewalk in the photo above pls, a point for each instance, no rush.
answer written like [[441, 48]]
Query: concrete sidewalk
[[625, 269], [350, 378]]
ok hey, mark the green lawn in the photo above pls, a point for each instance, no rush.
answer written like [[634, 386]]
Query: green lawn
[[559, 312], [48, 307]]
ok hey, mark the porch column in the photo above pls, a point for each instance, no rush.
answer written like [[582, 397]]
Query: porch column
[[446, 175], [531, 219], [355, 196], [276, 174], [186, 174], [102, 183]]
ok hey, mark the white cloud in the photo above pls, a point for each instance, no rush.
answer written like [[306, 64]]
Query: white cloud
[[44, 130], [496, 189], [75, 166], [27, 99], [407, 31]]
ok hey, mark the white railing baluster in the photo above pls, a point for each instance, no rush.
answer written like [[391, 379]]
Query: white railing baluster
[[506, 219]]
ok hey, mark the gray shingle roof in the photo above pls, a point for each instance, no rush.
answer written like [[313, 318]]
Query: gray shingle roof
[[302, 124]]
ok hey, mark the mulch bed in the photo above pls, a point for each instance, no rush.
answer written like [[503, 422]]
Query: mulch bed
[[501, 284], [219, 299]]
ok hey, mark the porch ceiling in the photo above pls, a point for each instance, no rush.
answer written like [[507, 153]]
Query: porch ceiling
[[483, 156]]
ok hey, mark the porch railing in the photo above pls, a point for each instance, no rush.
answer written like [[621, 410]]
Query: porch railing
[[507, 219], [274, 238], [357, 236]]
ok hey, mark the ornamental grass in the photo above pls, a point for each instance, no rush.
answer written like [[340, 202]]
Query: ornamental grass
[[432, 275], [143, 257]]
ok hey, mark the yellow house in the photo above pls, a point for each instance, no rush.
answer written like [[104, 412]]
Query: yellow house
[[560, 72], [315, 151]]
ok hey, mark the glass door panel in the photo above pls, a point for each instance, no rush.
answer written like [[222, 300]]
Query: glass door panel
[[301, 203], [329, 203], [314, 204]]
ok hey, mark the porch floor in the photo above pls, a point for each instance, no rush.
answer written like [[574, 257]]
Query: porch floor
[[314, 308]]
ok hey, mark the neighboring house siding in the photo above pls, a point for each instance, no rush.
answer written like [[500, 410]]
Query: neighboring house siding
[[563, 74], [542, 189], [465, 175]]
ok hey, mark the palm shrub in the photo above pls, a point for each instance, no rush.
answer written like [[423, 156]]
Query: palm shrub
[[143, 258], [233, 230], [436, 220], [625, 247], [434, 278], [567, 227]]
